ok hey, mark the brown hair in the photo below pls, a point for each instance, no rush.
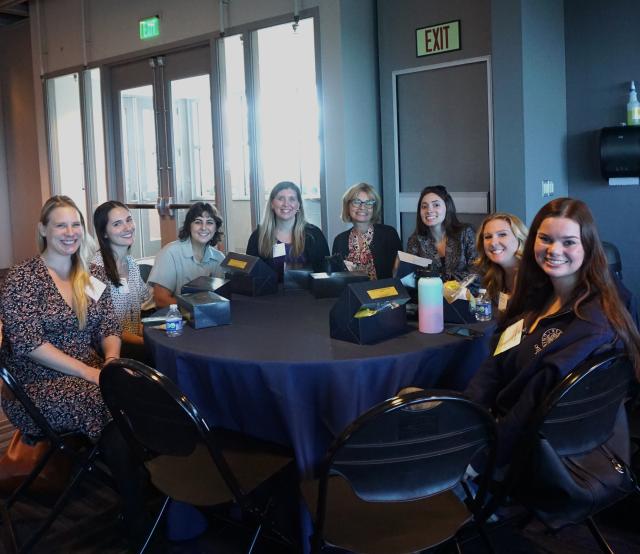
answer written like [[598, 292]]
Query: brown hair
[[451, 223], [533, 287]]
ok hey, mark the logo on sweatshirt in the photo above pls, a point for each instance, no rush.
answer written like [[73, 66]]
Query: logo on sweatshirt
[[547, 338]]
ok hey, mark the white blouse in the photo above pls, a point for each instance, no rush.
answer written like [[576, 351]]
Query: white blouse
[[129, 297]]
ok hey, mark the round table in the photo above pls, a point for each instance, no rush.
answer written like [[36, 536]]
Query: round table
[[275, 373]]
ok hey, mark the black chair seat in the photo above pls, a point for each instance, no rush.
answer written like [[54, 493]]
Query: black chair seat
[[386, 483], [383, 527], [187, 459], [190, 479]]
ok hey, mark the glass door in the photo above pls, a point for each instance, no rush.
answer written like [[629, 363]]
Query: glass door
[[163, 141], [270, 122]]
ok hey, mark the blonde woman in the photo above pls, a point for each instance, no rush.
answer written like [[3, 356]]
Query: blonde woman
[[369, 245], [55, 308], [284, 236], [500, 242]]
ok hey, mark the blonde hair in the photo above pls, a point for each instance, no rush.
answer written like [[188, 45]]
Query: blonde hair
[[267, 229], [352, 192], [493, 276], [79, 259]]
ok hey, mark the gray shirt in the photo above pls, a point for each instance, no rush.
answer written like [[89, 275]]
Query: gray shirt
[[175, 265]]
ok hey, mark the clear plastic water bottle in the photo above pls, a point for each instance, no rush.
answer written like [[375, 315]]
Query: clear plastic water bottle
[[483, 306], [173, 323]]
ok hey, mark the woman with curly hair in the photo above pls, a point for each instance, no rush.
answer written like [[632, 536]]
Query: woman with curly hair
[[193, 255]]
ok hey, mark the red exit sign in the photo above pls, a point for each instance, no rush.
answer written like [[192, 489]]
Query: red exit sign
[[436, 39]]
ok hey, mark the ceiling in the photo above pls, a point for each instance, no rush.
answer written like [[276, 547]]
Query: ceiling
[[13, 11]]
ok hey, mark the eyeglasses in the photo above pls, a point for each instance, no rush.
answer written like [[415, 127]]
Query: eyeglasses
[[357, 203]]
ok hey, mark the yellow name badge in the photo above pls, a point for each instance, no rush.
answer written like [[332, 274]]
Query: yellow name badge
[[240, 264], [384, 292], [510, 337]]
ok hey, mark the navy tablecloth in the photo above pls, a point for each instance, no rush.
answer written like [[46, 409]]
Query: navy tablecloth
[[275, 373]]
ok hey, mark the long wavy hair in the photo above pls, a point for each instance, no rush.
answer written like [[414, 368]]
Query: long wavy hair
[[79, 274], [533, 287], [267, 229], [100, 222], [196, 210], [452, 225], [352, 192], [493, 275]]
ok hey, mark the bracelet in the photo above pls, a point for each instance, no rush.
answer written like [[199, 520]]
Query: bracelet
[[110, 358]]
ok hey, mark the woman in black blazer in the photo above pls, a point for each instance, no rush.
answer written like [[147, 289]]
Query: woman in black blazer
[[369, 245]]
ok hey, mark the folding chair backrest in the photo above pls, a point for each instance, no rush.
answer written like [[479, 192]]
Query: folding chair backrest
[[582, 410], [31, 409], [614, 260], [158, 415], [411, 447], [168, 433]]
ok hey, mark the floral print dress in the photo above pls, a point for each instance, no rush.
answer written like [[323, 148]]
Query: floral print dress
[[34, 313]]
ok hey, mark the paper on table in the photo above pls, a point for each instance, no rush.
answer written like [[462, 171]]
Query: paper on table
[[412, 259]]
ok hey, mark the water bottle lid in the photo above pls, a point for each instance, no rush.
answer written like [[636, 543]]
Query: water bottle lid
[[173, 307]]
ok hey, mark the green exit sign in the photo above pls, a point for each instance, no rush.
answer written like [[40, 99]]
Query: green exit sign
[[149, 27]]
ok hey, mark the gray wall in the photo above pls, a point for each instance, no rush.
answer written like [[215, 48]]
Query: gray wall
[[602, 55], [19, 176], [528, 54], [398, 22]]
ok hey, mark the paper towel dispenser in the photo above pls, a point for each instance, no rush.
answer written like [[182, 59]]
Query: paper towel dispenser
[[620, 152]]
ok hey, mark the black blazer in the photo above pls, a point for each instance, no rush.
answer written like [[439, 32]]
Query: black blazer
[[315, 247], [384, 248]]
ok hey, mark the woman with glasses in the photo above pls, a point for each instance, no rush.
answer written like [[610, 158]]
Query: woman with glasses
[[284, 236], [441, 237], [369, 245]]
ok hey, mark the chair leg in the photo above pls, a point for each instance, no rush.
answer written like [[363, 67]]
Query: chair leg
[[55, 511], [154, 526], [602, 542], [60, 502], [254, 540], [42, 462], [482, 531]]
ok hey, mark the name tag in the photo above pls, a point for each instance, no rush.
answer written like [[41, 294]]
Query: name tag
[[124, 286], [95, 288], [503, 300], [279, 250], [510, 337]]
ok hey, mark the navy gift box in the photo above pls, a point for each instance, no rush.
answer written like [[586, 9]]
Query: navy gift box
[[213, 284], [205, 309], [249, 275], [385, 324], [327, 285]]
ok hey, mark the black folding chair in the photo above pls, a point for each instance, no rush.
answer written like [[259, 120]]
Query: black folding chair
[[572, 460], [74, 445], [387, 483], [187, 459], [613, 258]]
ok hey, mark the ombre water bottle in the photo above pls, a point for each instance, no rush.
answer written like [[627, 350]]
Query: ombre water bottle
[[430, 316]]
